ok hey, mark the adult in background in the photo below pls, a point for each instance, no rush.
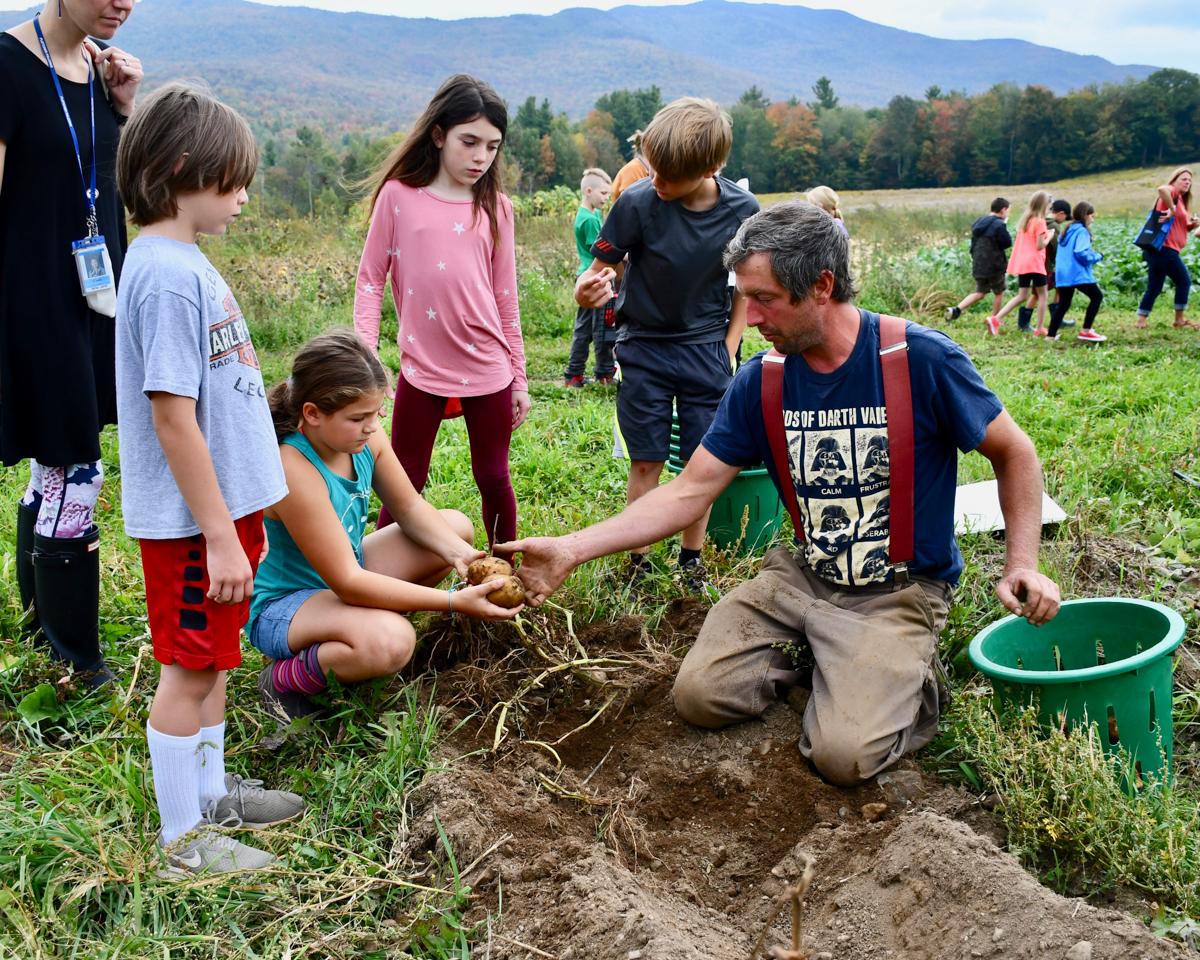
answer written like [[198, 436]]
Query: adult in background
[[636, 169], [58, 186], [872, 627], [1174, 200]]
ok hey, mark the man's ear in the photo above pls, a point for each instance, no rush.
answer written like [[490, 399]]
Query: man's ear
[[822, 290]]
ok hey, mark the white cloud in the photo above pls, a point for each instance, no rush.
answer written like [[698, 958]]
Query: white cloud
[[1163, 33]]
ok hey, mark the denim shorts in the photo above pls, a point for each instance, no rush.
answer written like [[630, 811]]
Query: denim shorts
[[269, 632]]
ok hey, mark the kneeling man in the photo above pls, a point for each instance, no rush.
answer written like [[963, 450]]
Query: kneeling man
[[871, 621]]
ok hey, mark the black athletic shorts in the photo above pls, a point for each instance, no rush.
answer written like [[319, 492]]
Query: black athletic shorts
[[656, 372], [1031, 280]]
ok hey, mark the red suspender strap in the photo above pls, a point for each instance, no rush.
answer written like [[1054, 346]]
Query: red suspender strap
[[897, 395], [772, 405]]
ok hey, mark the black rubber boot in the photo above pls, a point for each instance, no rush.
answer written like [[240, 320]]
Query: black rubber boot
[[1024, 318], [67, 582], [26, 520]]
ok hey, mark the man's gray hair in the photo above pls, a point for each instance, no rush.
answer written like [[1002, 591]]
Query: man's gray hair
[[802, 241]]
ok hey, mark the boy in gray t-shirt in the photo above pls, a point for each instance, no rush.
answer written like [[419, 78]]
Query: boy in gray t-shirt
[[199, 462]]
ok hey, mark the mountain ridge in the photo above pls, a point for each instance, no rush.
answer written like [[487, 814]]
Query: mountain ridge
[[352, 70]]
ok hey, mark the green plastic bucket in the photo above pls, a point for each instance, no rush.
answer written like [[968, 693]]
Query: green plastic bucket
[[751, 499], [1101, 661]]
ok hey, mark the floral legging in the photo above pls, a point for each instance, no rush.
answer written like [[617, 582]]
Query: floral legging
[[64, 497]]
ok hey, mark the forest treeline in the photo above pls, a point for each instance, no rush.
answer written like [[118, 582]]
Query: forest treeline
[[1007, 134]]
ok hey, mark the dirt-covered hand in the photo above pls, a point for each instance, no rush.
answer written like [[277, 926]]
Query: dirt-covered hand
[[473, 602], [1029, 594], [545, 564], [461, 557], [595, 290]]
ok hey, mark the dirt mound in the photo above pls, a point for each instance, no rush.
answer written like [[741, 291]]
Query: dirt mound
[[623, 834]]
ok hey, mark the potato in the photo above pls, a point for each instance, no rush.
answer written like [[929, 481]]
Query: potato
[[512, 594], [487, 568]]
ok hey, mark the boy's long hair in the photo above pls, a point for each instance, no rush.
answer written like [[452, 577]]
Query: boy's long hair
[[689, 137], [1185, 197], [1036, 209], [331, 371], [416, 161], [181, 139]]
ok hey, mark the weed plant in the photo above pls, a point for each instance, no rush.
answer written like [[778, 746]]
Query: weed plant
[[76, 814]]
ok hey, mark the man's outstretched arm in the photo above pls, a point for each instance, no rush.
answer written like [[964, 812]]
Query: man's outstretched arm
[[547, 561], [1022, 589]]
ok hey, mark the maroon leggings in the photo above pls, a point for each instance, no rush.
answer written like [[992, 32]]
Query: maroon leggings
[[416, 417]]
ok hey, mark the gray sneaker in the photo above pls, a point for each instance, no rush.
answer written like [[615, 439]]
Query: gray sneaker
[[205, 850], [249, 806]]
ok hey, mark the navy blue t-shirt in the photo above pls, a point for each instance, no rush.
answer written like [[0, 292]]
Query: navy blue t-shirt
[[836, 426], [675, 287]]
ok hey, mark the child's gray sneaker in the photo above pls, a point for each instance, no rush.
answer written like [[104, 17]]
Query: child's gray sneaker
[[284, 705], [205, 850], [249, 806]]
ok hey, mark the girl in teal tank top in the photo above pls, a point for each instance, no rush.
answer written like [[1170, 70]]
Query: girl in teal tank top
[[330, 598]]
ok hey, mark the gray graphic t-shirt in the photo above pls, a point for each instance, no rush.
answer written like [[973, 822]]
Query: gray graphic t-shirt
[[180, 331]]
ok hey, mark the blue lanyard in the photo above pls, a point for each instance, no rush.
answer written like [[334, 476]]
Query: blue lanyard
[[90, 194]]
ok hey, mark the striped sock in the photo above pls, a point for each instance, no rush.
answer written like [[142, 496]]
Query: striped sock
[[299, 674]]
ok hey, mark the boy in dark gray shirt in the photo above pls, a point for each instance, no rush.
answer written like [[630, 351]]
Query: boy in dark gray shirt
[[680, 324]]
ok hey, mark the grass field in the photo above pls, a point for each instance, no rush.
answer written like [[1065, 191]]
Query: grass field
[[1112, 423]]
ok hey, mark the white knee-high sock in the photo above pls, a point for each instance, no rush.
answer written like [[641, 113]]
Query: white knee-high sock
[[210, 764], [176, 781]]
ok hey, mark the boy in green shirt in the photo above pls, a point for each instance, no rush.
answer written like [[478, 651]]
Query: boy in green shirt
[[591, 325]]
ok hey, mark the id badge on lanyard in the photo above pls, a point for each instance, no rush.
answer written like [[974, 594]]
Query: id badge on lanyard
[[92, 261]]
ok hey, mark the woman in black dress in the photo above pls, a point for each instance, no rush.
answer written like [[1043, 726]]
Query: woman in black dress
[[57, 186]]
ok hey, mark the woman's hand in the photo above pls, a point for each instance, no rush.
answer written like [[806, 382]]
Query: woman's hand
[[473, 602], [122, 74], [520, 405]]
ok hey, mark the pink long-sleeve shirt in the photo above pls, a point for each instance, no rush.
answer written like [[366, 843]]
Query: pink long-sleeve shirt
[[455, 292]]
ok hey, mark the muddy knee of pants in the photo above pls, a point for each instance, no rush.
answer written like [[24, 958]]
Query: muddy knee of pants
[[735, 670], [845, 760]]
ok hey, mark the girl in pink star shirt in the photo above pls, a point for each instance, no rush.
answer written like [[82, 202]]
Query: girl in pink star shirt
[[443, 232]]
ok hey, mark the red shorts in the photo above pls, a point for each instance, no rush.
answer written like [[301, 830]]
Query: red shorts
[[187, 627]]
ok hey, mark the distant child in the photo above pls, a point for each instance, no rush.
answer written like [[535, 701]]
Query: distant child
[[329, 600], [443, 231], [1074, 272], [1060, 215], [199, 463], [638, 168], [1028, 264], [592, 326], [990, 241], [680, 325], [827, 199]]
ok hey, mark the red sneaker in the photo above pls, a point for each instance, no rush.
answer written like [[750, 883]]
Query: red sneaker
[[573, 382], [993, 325], [1091, 336]]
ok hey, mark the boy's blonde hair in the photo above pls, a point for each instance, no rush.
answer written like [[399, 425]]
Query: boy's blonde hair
[[827, 199], [688, 138], [181, 139], [592, 177]]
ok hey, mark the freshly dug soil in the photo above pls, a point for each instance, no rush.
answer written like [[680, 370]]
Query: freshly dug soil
[[638, 837]]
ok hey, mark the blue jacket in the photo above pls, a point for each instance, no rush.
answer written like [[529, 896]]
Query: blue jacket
[[1073, 265]]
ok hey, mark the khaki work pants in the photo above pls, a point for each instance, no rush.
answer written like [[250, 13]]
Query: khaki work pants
[[874, 688]]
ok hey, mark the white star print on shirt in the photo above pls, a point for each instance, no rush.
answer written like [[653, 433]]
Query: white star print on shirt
[[465, 381], [471, 348], [411, 339], [431, 313], [369, 287], [458, 228], [441, 265], [410, 293], [505, 291], [409, 370], [396, 211]]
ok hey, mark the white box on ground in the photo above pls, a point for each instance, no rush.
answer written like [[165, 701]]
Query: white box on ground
[[977, 508]]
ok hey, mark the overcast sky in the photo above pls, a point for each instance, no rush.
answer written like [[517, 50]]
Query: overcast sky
[[1163, 33]]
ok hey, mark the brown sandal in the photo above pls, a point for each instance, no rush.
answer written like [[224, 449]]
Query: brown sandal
[[1186, 325]]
